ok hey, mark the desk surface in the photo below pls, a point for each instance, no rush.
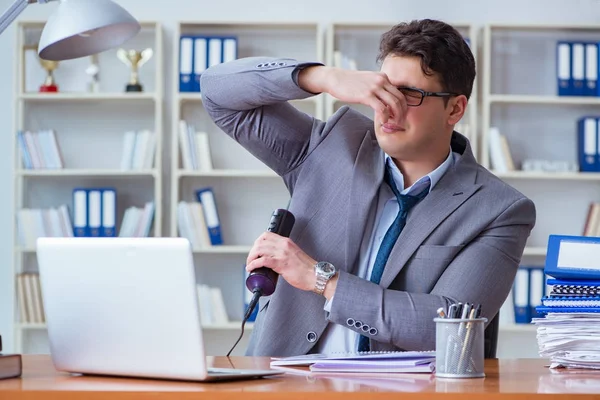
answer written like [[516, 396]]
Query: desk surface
[[510, 379]]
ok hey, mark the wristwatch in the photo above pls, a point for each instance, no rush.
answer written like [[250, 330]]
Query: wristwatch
[[324, 271]]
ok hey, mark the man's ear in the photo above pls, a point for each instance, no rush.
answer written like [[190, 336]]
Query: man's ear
[[457, 107]]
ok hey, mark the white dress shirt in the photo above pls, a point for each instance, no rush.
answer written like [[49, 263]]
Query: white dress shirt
[[338, 338]]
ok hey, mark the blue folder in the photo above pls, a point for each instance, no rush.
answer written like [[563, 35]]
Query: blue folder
[[571, 269]]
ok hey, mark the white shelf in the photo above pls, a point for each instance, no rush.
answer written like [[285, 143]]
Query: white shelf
[[572, 176], [529, 251], [532, 99], [538, 26], [201, 250], [248, 25], [31, 326], [235, 325], [190, 96], [223, 250], [228, 173], [518, 328], [62, 97], [90, 151], [245, 192], [85, 172], [534, 251]]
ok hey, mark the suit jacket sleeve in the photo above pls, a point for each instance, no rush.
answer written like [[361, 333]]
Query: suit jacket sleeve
[[248, 99], [483, 272]]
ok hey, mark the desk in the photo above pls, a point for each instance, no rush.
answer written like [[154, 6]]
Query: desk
[[506, 379]]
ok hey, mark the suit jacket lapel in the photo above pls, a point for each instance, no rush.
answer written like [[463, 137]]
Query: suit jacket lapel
[[455, 187], [366, 179]]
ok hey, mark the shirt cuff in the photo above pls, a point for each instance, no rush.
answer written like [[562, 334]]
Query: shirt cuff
[[327, 306]]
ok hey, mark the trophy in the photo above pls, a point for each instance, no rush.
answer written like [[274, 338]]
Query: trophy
[[93, 71], [49, 84], [134, 59]]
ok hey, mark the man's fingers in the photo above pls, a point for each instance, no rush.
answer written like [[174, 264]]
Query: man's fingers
[[399, 96], [253, 254], [379, 107], [260, 247], [268, 261], [391, 102], [396, 105], [257, 263]]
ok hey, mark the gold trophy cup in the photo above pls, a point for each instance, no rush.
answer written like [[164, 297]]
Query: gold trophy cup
[[49, 84], [134, 59]]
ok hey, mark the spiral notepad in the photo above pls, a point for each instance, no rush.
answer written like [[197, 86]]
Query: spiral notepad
[[569, 301], [575, 290]]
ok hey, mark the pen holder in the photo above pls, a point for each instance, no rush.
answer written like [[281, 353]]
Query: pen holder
[[459, 347]]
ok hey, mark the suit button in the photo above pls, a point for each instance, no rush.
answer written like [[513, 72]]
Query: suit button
[[365, 328], [373, 331], [311, 337], [281, 64], [350, 322], [357, 324]]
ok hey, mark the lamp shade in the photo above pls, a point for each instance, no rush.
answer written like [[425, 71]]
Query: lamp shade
[[80, 28]]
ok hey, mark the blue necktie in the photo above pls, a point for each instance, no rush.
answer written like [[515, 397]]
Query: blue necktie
[[405, 202]]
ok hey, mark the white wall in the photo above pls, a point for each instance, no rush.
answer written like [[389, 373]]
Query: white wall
[[170, 12]]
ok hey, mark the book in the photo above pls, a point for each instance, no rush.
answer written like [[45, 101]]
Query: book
[[10, 366]]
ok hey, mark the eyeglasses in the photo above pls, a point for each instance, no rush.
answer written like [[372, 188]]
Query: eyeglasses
[[414, 97]]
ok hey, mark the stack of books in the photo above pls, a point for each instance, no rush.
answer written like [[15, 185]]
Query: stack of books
[[568, 332]]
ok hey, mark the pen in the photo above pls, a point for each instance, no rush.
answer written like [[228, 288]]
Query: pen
[[459, 308], [452, 311], [440, 312], [467, 342], [451, 339]]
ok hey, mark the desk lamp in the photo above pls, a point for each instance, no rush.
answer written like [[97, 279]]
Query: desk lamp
[[78, 28]]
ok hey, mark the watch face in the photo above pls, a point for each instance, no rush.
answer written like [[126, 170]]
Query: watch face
[[327, 268]]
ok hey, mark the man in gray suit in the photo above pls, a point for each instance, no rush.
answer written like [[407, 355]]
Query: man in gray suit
[[344, 272]]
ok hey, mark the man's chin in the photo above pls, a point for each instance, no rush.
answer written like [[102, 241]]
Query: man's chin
[[391, 145]]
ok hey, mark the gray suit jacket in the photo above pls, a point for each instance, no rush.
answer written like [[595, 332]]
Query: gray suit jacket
[[462, 243]]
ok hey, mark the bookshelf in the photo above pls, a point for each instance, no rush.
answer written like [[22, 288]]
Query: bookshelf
[[89, 120], [246, 191], [520, 98], [360, 42]]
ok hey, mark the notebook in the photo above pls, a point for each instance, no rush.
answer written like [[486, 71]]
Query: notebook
[[378, 362], [126, 307], [381, 366]]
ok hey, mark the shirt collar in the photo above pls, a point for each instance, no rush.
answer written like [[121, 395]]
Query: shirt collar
[[432, 178]]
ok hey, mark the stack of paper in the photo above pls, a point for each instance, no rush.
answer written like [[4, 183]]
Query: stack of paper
[[378, 362], [570, 340]]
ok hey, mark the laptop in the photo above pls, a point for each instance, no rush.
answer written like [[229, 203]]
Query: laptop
[[126, 307]]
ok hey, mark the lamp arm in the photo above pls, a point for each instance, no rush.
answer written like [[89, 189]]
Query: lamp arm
[[14, 10]]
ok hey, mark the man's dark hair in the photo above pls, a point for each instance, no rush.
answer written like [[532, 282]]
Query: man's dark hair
[[442, 49]]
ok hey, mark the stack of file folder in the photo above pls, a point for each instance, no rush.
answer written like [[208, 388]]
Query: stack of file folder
[[569, 331]]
